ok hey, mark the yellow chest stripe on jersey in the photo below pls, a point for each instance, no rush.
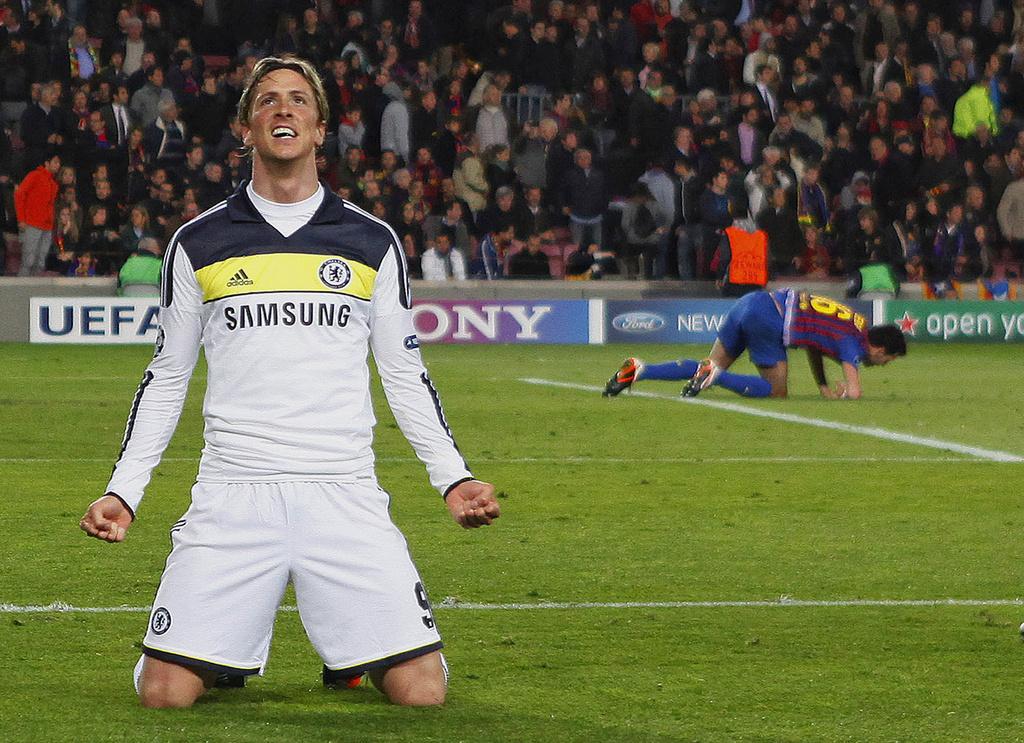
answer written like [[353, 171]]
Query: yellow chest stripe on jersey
[[286, 272]]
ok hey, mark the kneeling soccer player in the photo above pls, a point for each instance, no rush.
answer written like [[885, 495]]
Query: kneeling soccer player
[[287, 287], [766, 324]]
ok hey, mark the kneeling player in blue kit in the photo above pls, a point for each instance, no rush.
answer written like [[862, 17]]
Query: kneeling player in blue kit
[[766, 324]]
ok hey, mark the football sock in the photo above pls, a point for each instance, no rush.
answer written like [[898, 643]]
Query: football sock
[[137, 672], [671, 371], [747, 385]]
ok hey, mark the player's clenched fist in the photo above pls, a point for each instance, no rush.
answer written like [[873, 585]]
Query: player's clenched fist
[[107, 518], [472, 504]]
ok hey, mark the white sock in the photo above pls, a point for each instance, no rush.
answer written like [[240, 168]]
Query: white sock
[[137, 673], [444, 667]]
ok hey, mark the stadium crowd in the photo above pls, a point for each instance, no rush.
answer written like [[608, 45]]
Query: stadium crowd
[[539, 138]]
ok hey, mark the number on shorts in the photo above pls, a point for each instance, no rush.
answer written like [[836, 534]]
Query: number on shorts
[[424, 602]]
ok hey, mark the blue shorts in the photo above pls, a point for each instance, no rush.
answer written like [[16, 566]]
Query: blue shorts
[[754, 324]]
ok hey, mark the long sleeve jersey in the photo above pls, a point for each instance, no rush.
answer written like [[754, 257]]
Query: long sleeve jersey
[[286, 322]]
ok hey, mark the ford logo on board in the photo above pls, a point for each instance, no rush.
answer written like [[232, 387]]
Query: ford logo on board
[[638, 322]]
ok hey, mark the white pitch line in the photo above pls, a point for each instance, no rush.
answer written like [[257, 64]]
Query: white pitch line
[[991, 455], [450, 603], [567, 460]]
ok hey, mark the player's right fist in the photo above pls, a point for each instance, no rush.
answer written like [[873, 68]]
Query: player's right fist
[[107, 518]]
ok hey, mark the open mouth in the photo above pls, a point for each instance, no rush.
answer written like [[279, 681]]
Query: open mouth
[[283, 132]]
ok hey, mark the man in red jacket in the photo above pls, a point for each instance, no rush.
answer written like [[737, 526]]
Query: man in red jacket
[[33, 203]]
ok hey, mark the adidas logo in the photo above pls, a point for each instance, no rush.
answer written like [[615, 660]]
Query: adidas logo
[[240, 279]]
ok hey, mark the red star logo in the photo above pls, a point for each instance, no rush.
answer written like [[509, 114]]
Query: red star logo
[[908, 324]]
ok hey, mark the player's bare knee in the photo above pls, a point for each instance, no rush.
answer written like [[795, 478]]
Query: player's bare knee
[[162, 694], [420, 682], [168, 685], [421, 693]]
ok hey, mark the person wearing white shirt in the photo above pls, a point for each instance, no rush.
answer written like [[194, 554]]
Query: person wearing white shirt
[[442, 261], [287, 288]]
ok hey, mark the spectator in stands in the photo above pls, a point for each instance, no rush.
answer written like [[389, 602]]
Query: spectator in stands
[[717, 211], [583, 54], [940, 173], [498, 167], [132, 44], [470, 177], [492, 124], [1011, 215], [209, 115], [531, 149], [585, 199], [190, 174], [645, 227], [350, 171], [816, 262], [118, 119], [493, 250], [500, 213], [394, 127], [811, 199], [214, 187], [162, 209], [137, 228], [140, 274], [34, 200], [351, 130], [425, 124], [146, 101], [531, 262], [66, 237], [975, 109], [450, 215], [83, 61], [534, 217], [101, 240], [892, 182], [103, 195], [164, 140], [955, 254], [870, 243], [785, 237], [44, 126], [906, 230], [441, 260], [813, 114]]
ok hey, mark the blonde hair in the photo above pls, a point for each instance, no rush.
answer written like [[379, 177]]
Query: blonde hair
[[285, 62]]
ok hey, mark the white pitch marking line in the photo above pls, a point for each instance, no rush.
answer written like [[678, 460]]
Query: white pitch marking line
[[783, 602], [572, 460], [990, 455]]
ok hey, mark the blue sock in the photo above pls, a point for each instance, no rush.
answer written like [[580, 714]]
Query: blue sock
[[670, 371], [745, 384]]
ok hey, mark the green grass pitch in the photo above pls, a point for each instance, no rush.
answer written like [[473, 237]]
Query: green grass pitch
[[604, 501]]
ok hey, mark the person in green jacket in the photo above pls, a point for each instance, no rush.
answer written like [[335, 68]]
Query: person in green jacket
[[140, 274], [978, 106]]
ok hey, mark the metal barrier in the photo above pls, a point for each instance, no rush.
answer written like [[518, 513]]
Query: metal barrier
[[526, 106]]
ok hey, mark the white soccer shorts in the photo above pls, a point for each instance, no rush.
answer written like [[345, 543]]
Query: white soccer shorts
[[359, 596]]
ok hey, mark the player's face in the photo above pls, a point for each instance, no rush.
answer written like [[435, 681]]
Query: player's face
[[284, 124], [878, 357]]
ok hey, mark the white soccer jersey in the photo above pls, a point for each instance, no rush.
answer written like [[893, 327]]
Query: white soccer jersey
[[286, 323]]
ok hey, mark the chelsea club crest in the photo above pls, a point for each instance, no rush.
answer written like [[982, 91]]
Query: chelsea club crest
[[335, 273]]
